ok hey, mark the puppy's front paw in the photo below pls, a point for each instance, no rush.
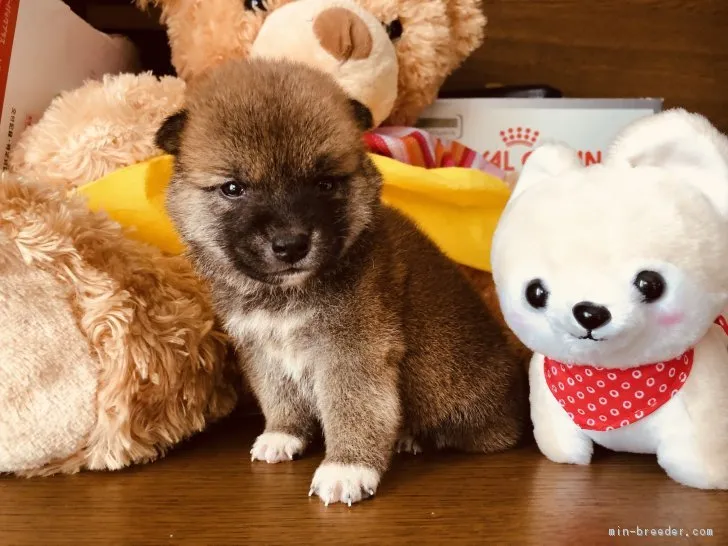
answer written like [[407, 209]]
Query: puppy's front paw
[[347, 483], [274, 447]]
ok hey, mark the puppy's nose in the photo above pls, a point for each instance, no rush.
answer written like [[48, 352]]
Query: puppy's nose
[[590, 315], [343, 34], [291, 247]]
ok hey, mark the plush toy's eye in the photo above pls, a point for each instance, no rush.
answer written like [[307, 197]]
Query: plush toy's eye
[[232, 189], [255, 5], [651, 285], [536, 294], [394, 29]]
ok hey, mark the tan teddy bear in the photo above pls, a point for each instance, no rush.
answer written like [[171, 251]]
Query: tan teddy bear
[[135, 353], [432, 38]]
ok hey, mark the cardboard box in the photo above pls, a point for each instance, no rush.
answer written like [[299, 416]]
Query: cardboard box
[[45, 49], [505, 130]]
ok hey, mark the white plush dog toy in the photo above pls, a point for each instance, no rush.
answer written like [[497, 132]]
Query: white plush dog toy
[[616, 276]]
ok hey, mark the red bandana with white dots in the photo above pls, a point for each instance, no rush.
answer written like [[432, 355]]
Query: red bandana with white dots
[[600, 399]]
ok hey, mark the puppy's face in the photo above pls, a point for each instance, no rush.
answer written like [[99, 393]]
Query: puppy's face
[[272, 182]]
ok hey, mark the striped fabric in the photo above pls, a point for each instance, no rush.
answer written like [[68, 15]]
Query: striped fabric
[[422, 149]]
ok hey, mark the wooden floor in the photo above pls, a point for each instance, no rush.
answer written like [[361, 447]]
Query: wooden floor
[[208, 492]]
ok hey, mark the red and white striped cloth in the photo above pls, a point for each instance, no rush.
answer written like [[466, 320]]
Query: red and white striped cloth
[[422, 149]]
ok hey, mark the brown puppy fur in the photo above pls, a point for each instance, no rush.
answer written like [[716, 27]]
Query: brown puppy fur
[[483, 283], [345, 313]]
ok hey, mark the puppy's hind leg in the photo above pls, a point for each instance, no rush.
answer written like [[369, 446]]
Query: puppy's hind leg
[[489, 423], [487, 439]]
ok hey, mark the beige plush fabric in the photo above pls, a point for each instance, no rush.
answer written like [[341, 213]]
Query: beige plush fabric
[[98, 128], [109, 350], [205, 33], [47, 378]]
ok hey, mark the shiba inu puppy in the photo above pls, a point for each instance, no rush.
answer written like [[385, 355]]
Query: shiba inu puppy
[[345, 315]]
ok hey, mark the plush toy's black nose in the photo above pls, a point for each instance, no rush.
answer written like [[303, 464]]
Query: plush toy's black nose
[[590, 315], [291, 247]]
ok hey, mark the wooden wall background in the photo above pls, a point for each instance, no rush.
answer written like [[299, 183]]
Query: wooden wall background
[[674, 49]]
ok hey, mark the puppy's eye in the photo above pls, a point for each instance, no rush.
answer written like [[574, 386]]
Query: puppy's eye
[[394, 29], [255, 5], [326, 186], [329, 185], [651, 285], [232, 189], [536, 294]]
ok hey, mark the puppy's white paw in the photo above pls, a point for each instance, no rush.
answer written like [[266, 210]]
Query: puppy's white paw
[[408, 444], [347, 483], [274, 447]]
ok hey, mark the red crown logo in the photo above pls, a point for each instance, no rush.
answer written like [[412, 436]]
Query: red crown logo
[[519, 136]]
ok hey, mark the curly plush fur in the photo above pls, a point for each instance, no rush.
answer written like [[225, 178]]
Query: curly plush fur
[[137, 324], [102, 126]]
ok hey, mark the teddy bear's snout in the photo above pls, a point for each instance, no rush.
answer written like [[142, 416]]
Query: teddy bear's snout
[[343, 34]]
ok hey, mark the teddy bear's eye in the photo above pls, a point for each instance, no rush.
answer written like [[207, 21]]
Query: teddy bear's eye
[[651, 285], [536, 294], [394, 29], [255, 5]]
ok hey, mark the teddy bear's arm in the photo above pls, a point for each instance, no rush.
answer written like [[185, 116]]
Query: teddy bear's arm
[[557, 436]]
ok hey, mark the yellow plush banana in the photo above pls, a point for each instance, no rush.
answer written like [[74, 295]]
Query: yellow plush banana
[[457, 208]]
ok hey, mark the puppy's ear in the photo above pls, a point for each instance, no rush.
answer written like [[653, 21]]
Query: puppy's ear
[[682, 143], [169, 135], [548, 161], [362, 115]]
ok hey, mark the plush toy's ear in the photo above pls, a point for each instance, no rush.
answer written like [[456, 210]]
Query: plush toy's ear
[[144, 4], [468, 22], [169, 135], [548, 161], [682, 143], [362, 114]]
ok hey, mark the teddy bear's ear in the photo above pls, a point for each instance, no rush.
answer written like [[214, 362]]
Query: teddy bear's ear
[[169, 135], [548, 161], [685, 144], [468, 22], [144, 4]]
